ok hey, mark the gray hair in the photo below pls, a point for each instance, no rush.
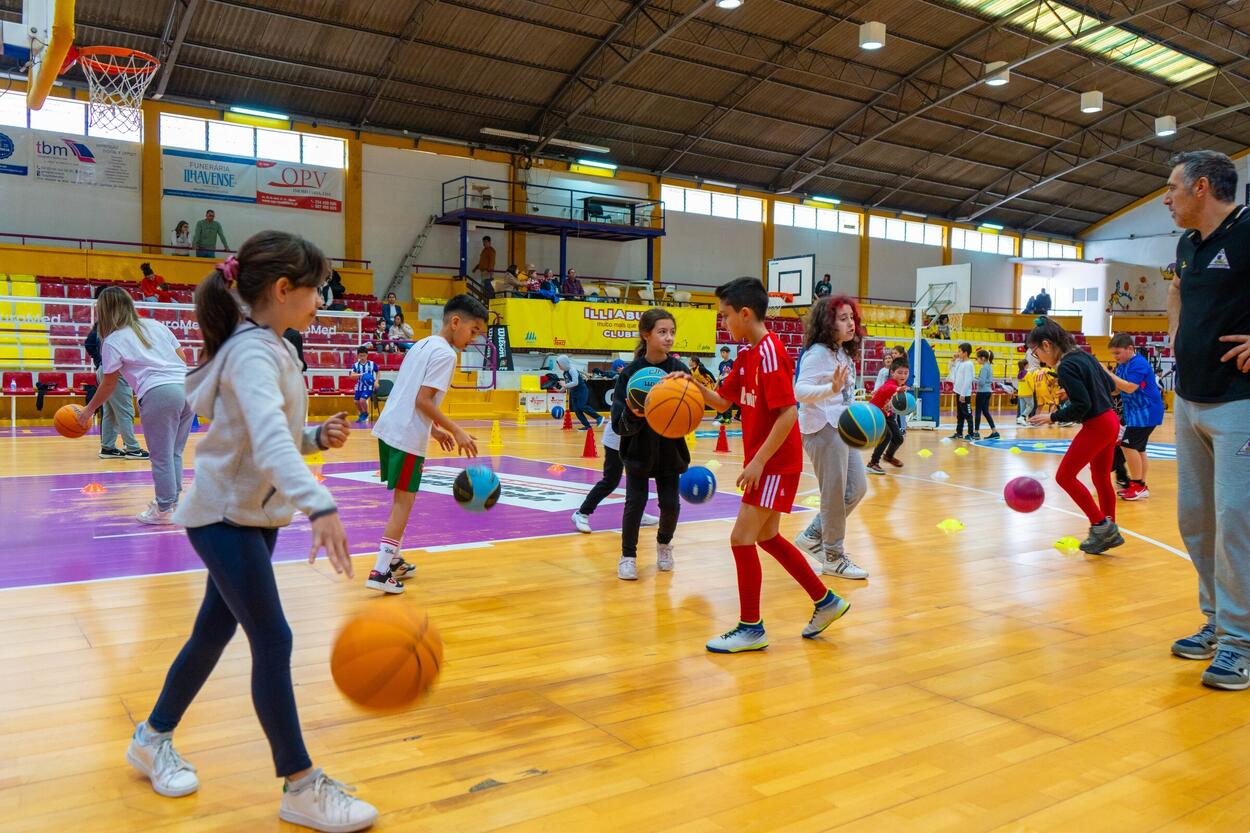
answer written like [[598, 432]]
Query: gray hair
[[1219, 170]]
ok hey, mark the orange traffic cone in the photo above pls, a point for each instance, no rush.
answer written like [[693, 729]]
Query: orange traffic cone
[[589, 450], [568, 421], [93, 488], [722, 441]]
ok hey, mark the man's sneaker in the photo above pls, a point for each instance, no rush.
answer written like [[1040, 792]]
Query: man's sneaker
[[810, 544], [829, 611], [664, 557], [581, 522], [974, 436], [843, 566], [1102, 537], [1135, 491], [402, 570], [994, 436], [875, 468], [650, 520], [955, 437], [1230, 671], [326, 806], [741, 638], [137, 454], [1199, 646], [894, 461], [383, 582], [156, 516], [112, 454], [627, 569], [154, 755]]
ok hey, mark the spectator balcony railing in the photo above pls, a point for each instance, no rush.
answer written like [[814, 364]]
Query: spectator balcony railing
[[95, 244], [480, 193]]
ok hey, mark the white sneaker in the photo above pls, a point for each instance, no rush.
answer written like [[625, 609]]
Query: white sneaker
[[650, 520], [627, 569], [664, 558], [384, 583], [581, 522], [811, 545], [155, 516], [325, 805], [157, 759], [1021, 421], [741, 638], [823, 617], [842, 566]]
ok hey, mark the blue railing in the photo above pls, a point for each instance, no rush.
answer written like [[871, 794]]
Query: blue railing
[[551, 202]]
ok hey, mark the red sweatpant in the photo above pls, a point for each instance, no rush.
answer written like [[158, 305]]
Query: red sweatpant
[[1093, 446]]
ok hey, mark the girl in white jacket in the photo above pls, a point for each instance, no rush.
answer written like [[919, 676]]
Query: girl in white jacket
[[250, 479], [825, 388]]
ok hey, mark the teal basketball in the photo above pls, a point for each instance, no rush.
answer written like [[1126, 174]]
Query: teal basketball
[[861, 425], [640, 384], [903, 402], [476, 488]]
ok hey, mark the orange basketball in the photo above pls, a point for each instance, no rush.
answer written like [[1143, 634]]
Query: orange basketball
[[387, 657], [66, 421], [674, 408]]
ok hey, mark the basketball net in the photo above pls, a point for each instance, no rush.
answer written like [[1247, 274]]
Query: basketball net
[[117, 78], [956, 319]]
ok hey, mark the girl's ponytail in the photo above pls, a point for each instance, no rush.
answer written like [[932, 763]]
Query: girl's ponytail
[[217, 311]]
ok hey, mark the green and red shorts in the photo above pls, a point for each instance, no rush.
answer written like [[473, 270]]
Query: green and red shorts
[[400, 469]]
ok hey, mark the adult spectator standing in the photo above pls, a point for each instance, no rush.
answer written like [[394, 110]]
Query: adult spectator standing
[[117, 415], [824, 287], [181, 240], [571, 287], [485, 262], [1030, 307], [390, 308], [1209, 325], [207, 232], [1041, 304]]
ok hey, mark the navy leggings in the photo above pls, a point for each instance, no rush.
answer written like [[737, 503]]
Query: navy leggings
[[241, 591]]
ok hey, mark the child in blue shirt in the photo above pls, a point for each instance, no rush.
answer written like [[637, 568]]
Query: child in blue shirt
[[365, 372], [1143, 410]]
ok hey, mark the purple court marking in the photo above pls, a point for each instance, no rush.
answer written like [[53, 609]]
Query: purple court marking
[[54, 534]]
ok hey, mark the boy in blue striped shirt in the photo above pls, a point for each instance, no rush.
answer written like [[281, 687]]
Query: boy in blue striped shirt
[[365, 372]]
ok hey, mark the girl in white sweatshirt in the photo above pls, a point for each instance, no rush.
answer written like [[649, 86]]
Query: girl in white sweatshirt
[[250, 478], [825, 388]]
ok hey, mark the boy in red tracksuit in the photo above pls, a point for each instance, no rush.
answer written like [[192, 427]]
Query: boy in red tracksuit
[[893, 437], [761, 382]]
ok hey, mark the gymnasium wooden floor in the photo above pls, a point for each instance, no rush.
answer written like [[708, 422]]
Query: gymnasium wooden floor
[[982, 680]]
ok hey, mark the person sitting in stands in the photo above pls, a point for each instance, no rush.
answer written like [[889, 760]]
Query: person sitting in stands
[[401, 334], [382, 337], [152, 286], [571, 287], [511, 282]]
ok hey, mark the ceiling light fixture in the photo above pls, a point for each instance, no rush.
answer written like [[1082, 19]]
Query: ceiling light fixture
[[830, 200], [530, 137], [263, 114], [728, 4], [871, 35], [607, 166], [997, 74], [1091, 102], [1165, 126]]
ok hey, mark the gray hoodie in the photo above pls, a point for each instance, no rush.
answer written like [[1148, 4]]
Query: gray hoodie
[[248, 466]]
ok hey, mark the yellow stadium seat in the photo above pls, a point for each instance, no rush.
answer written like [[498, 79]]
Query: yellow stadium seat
[[22, 278], [529, 384]]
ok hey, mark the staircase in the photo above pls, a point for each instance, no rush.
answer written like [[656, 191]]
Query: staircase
[[410, 259]]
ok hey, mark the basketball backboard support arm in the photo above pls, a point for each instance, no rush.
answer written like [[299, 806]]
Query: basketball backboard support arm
[[939, 289], [937, 299], [41, 42]]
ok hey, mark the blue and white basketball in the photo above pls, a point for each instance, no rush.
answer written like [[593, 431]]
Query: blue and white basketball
[[697, 485], [861, 425], [903, 402], [557, 412], [640, 384], [476, 488]]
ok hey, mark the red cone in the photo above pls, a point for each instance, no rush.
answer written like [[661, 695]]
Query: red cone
[[568, 421], [722, 441], [589, 450]]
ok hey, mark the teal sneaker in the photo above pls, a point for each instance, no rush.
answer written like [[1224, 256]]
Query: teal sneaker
[[741, 638]]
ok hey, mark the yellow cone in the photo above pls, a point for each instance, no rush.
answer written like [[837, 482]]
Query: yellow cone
[[496, 436], [713, 464], [961, 452], [315, 459], [925, 453], [1015, 449], [811, 500], [520, 417], [691, 440], [1068, 545], [950, 525]]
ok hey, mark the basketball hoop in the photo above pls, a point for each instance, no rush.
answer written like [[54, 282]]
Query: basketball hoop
[[116, 81]]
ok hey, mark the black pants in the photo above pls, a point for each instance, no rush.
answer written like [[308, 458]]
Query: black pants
[[241, 591], [983, 409], [963, 413], [890, 440], [636, 502], [612, 471], [1119, 465]]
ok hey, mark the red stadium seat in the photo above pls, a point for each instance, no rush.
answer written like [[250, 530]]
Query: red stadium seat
[[78, 291], [67, 357], [347, 384], [58, 380], [51, 290], [57, 312], [82, 379], [374, 308], [323, 384], [81, 314], [17, 381], [330, 358], [62, 331], [393, 361]]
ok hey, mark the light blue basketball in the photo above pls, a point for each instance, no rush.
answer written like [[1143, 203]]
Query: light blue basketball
[[904, 403], [476, 488], [640, 384], [697, 484], [861, 425]]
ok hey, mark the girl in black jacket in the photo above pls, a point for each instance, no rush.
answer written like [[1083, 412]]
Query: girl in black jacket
[[645, 454]]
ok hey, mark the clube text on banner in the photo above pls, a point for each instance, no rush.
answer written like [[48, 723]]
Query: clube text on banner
[[537, 324], [216, 176]]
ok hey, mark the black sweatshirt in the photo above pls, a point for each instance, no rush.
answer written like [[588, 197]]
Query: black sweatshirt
[[1088, 387], [642, 450]]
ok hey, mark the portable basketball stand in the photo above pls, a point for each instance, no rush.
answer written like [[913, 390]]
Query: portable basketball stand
[[935, 300]]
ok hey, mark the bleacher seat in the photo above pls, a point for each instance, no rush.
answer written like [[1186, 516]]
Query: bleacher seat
[[52, 290], [322, 384], [17, 381], [67, 356], [347, 384], [57, 380], [393, 361], [82, 379]]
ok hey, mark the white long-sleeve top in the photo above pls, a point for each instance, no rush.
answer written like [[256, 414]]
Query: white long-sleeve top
[[961, 377], [819, 404]]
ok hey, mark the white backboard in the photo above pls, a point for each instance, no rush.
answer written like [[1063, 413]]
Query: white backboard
[[951, 284], [796, 275]]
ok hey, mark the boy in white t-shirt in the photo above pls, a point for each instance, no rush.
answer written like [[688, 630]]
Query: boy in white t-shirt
[[410, 418]]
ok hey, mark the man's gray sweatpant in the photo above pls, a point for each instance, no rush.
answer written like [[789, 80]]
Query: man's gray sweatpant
[[166, 418], [1213, 504]]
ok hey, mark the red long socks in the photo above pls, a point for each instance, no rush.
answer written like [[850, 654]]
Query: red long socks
[[750, 576], [789, 556]]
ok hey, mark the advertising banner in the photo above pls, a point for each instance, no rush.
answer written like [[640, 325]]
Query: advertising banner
[[14, 151], [214, 176], [70, 160], [538, 324]]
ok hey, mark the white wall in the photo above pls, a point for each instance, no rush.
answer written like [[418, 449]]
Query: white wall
[[707, 251], [402, 188], [993, 278], [240, 221], [836, 254], [60, 210], [1147, 235], [892, 267], [1060, 282]]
